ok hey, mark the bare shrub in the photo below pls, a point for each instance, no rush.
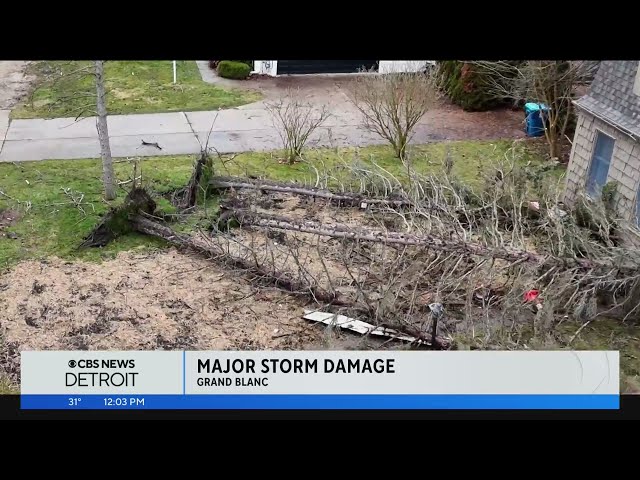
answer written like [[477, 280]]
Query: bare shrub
[[295, 120], [551, 82], [393, 104]]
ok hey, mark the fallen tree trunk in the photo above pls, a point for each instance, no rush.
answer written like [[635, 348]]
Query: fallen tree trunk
[[280, 279], [350, 199], [150, 227], [246, 217]]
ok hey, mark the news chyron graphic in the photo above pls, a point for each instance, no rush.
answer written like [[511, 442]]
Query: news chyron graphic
[[320, 380]]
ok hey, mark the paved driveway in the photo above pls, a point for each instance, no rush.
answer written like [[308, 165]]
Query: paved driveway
[[447, 122]]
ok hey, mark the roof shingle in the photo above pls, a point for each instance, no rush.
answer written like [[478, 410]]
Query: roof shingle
[[611, 95]]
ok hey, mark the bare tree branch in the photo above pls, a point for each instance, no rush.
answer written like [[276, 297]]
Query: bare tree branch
[[549, 82]]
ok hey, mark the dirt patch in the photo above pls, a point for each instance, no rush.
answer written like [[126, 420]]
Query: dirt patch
[[10, 361], [8, 217], [126, 94], [450, 122], [167, 300], [163, 301], [14, 83]]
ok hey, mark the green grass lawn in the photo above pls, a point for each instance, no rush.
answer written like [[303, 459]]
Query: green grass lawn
[[51, 224], [132, 87], [471, 160], [610, 334]]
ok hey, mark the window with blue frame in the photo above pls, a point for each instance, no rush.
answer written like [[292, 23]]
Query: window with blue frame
[[600, 161]]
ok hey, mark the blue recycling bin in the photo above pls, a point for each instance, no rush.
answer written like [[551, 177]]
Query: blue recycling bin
[[535, 116]]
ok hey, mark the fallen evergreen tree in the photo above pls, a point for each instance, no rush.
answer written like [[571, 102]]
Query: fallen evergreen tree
[[461, 255]]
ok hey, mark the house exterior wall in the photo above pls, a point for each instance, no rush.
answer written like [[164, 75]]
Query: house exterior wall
[[270, 67], [265, 67], [623, 169], [397, 66]]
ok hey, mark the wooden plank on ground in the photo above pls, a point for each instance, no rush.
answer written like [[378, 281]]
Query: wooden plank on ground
[[357, 326]]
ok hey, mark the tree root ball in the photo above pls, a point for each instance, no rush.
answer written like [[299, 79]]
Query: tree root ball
[[117, 221]]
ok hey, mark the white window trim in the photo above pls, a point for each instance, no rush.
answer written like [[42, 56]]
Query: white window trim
[[592, 156]]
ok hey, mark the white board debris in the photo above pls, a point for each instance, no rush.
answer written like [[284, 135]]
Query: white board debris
[[358, 326]]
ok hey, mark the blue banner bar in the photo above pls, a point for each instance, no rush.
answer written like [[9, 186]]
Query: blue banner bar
[[320, 402]]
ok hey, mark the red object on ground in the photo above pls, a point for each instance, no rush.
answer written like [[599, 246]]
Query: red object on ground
[[531, 295]]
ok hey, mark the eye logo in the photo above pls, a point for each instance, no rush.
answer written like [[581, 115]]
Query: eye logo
[[72, 363]]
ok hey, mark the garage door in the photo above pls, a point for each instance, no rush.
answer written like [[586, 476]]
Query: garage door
[[295, 67]]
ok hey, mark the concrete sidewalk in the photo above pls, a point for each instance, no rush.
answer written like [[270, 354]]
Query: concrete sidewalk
[[4, 125], [247, 128], [234, 130]]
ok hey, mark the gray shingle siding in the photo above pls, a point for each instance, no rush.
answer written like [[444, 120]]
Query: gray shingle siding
[[623, 169], [613, 108]]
